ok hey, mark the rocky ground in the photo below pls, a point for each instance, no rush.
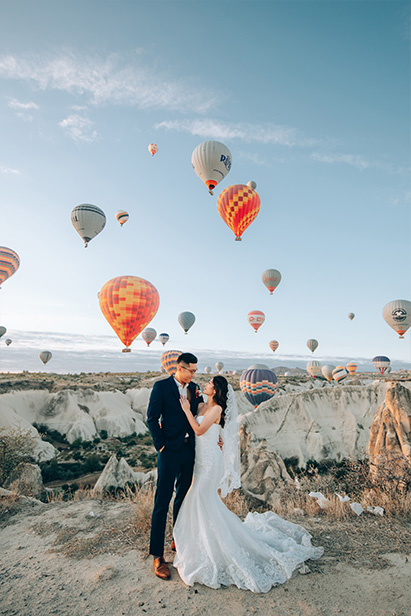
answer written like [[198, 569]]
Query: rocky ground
[[90, 558]]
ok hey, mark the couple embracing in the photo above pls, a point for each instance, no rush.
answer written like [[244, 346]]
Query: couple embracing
[[198, 453]]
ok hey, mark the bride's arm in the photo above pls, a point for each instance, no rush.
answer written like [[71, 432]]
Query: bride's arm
[[209, 419]]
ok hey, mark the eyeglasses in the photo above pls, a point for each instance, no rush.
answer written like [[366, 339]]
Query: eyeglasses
[[189, 370]]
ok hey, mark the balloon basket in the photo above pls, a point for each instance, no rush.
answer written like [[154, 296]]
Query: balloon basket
[[238, 239], [126, 350]]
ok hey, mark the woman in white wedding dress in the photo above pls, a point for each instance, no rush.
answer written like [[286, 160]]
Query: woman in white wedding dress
[[213, 546]]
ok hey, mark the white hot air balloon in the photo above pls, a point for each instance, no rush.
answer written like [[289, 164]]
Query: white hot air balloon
[[207, 369], [219, 365], [327, 371], [148, 335], [88, 220], [45, 356], [186, 320], [163, 338], [398, 315], [211, 161]]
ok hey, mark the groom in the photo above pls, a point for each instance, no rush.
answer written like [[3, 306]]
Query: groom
[[174, 440]]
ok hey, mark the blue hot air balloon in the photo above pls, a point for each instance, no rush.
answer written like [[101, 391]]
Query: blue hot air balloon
[[258, 383], [381, 363]]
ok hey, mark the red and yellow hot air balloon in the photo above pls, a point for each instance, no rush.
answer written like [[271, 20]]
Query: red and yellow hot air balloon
[[273, 344], [153, 148], [169, 361], [9, 263], [238, 205], [256, 318], [128, 303], [351, 368]]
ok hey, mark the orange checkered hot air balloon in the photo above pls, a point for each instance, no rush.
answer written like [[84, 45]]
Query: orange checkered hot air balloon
[[238, 205], [9, 263], [129, 304]]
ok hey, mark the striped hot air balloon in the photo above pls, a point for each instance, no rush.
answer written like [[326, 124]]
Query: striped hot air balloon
[[163, 338], [148, 335], [128, 303], [88, 220], [314, 368], [238, 206], [271, 279], [339, 374], [381, 363], [258, 383], [256, 318], [351, 367], [45, 356], [186, 320], [211, 161], [327, 371], [169, 361], [312, 344], [398, 315], [153, 148], [273, 344], [122, 217], [9, 263]]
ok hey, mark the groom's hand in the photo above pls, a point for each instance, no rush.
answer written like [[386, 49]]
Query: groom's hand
[[220, 443]]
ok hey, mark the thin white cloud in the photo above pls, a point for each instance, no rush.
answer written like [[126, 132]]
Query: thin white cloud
[[112, 80], [8, 170], [79, 128], [15, 104], [357, 161], [244, 131]]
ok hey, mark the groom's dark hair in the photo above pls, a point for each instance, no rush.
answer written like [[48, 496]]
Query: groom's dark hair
[[187, 358]]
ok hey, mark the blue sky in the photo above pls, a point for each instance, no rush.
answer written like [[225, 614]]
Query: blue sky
[[313, 100]]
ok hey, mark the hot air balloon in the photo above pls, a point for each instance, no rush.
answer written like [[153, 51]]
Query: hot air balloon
[[219, 366], [271, 278], [398, 315], [211, 161], [153, 148], [45, 356], [312, 344], [381, 363], [129, 304], [207, 369], [88, 220], [273, 345], [169, 361], [163, 338], [2, 330], [8, 341], [256, 318], [339, 374], [148, 335], [238, 205], [351, 368], [186, 320], [258, 383], [351, 315], [9, 263], [252, 184], [314, 368], [327, 371], [122, 217]]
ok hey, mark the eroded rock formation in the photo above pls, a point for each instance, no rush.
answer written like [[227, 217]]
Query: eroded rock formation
[[117, 474]]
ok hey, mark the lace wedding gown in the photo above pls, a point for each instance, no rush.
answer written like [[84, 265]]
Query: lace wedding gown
[[215, 548]]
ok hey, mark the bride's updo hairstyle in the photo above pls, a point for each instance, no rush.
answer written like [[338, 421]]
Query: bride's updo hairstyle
[[220, 397]]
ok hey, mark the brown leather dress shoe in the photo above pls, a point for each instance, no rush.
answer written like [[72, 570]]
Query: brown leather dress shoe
[[161, 568], [173, 545]]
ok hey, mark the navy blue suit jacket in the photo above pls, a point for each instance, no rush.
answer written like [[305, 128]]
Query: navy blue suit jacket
[[164, 408]]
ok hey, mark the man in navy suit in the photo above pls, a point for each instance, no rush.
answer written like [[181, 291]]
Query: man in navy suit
[[174, 440]]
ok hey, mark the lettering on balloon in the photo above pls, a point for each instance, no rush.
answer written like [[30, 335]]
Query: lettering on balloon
[[226, 160]]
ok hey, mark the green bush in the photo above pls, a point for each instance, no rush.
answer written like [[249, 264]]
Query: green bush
[[104, 434]]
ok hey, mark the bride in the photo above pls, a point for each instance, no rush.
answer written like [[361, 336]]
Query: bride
[[213, 546]]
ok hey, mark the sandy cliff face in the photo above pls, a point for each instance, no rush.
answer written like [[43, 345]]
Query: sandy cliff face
[[330, 423]]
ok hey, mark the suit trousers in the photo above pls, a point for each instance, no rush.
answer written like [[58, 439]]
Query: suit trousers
[[173, 468]]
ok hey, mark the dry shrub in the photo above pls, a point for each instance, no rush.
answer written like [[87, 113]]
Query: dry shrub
[[238, 503], [16, 448]]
